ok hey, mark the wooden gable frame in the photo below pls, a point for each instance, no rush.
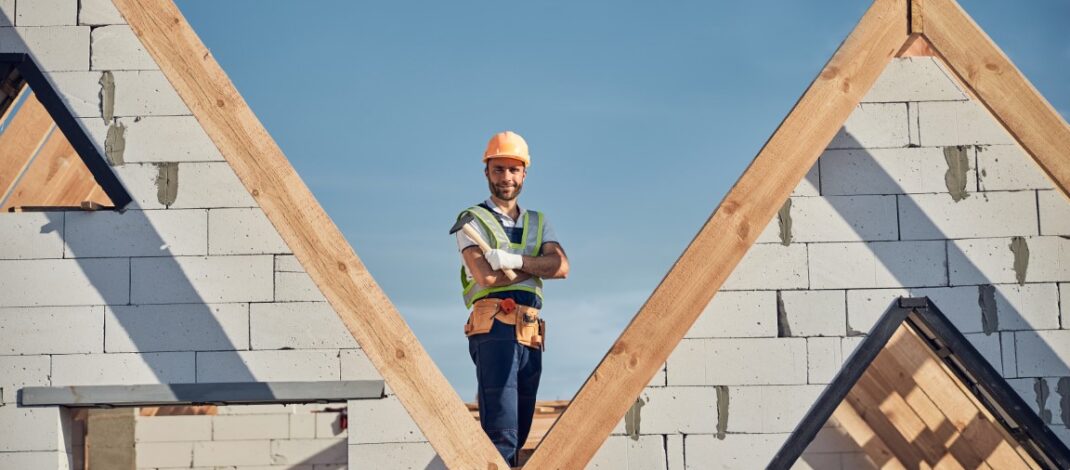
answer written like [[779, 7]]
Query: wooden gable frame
[[689, 286], [915, 373]]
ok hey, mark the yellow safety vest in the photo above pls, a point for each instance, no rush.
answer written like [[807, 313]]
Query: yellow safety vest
[[531, 243]]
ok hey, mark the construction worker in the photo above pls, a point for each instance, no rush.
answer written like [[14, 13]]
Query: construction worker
[[504, 330]]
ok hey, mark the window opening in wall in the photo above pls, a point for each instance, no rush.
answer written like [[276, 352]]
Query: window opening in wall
[[278, 436], [47, 162], [916, 394]]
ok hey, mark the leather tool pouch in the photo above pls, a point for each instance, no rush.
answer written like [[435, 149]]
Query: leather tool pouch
[[530, 330], [481, 319]]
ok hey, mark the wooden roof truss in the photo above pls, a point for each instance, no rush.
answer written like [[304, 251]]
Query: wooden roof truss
[[676, 303]]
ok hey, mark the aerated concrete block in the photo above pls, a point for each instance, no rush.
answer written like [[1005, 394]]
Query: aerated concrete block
[[877, 264], [704, 451], [98, 12], [1028, 307], [1054, 213], [769, 409], [678, 410], [874, 125], [887, 171], [298, 325], [243, 231], [51, 330], [843, 218], [32, 429], [989, 347], [268, 366], [173, 428], [357, 366], [623, 452], [20, 460], [1010, 354], [810, 184], [46, 13], [996, 214], [302, 426], [198, 185], [674, 452], [815, 313], [309, 451], [195, 279], [84, 281], [945, 123], [167, 139], [992, 260], [164, 454], [736, 315], [296, 287], [1009, 168], [121, 369], [1043, 353], [31, 235], [770, 267], [146, 93], [770, 361], [176, 327], [7, 15], [22, 371], [223, 453], [392, 422], [1064, 305], [288, 264], [824, 358], [914, 79], [80, 91], [54, 48], [959, 304], [247, 427], [108, 234], [115, 47], [399, 455], [329, 425]]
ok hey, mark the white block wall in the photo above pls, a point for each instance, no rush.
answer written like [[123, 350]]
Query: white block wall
[[195, 288], [881, 222], [245, 437]]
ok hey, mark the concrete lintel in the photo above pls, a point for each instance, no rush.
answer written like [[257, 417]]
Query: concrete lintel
[[201, 393]]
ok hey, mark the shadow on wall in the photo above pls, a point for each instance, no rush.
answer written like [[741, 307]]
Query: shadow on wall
[[136, 284], [919, 269]]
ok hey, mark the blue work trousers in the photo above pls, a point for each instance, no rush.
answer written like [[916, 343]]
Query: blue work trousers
[[508, 378]]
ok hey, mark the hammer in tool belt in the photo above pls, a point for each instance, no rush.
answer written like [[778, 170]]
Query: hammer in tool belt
[[462, 224]]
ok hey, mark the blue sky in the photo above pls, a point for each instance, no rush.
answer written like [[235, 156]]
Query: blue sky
[[639, 115]]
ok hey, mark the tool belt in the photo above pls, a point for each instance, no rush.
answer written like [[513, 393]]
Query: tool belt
[[530, 329]]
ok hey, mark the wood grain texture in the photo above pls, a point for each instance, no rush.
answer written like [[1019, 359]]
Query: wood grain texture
[[691, 283], [318, 244], [57, 177], [22, 139], [847, 419], [994, 79]]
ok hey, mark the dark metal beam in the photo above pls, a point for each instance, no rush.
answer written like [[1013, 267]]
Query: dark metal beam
[[236, 393]]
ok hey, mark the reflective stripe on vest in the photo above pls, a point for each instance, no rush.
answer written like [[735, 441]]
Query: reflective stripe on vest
[[530, 245]]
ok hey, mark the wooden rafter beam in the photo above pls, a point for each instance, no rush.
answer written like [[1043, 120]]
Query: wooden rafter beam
[[1001, 87], [662, 322], [21, 140], [316, 241]]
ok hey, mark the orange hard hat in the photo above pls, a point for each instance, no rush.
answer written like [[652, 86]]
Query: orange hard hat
[[507, 144]]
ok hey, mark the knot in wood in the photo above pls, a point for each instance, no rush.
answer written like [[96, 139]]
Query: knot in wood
[[342, 266], [399, 353]]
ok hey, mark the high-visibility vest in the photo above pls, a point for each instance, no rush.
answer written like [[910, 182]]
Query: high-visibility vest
[[530, 244]]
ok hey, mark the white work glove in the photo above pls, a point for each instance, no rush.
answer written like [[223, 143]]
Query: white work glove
[[501, 259]]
